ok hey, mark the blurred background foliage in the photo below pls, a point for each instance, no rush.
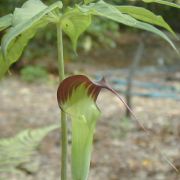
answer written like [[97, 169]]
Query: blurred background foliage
[[100, 34]]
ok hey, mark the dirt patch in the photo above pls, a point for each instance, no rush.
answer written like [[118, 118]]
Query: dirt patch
[[122, 151]]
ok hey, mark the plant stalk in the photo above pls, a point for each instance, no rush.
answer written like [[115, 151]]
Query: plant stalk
[[64, 141]]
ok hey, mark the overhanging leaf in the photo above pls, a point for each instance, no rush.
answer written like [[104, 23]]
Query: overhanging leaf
[[18, 36], [88, 1], [5, 21], [150, 28], [19, 149], [108, 11], [28, 10], [146, 16], [112, 12], [74, 23], [4, 66], [163, 2], [16, 47]]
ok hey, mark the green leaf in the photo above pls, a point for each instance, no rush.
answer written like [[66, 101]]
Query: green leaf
[[74, 23], [163, 2], [148, 27], [19, 149], [88, 1], [27, 11], [146, 16], [17, 37], [5, 21], [112, 12], [4, 66], [16, 47], [108, 11], [13, 49]]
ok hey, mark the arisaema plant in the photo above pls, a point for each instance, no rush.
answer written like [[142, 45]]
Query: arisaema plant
[[77, 94]]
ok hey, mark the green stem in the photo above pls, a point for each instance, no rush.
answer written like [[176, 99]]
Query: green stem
[[64, 141]]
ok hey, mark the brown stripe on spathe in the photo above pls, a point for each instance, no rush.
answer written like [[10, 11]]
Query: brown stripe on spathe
[[69, 84]]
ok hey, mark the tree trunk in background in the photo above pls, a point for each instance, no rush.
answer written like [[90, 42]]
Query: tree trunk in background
[[132, 69]]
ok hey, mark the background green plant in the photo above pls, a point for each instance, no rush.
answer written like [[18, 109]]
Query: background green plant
[[14, 151], [34, 74]]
